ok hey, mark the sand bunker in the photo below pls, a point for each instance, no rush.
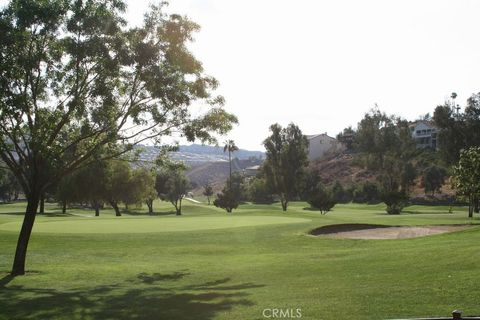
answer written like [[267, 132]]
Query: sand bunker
[[372, 231]]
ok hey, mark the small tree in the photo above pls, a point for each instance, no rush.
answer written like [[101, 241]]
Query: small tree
[[172, 185], [321, 198], [395, 200], [286, 161], [433, 179], [208, 191], [466, 177], [226, 200]]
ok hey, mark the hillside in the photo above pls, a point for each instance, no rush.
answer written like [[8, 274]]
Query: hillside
[[217, 173], [343, 168], [195, 154]]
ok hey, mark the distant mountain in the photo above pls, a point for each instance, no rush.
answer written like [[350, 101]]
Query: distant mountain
[[197, 154]]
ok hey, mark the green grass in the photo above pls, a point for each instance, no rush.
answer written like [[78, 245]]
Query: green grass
[[210, 265]]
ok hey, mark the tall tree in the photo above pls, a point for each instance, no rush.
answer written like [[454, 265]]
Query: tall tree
[[466, 177], [433, 179], [387, 146], [74, 78], [117, 189], [458, 130], [286, 161], [230, 147], [143, 185], [208, 191]]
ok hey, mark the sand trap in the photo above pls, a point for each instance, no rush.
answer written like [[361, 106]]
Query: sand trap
[[372, 231]]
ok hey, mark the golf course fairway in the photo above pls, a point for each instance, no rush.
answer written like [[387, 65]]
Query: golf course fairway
[[150, 224]]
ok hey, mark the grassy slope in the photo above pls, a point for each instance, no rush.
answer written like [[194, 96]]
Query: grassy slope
[[235, 273]]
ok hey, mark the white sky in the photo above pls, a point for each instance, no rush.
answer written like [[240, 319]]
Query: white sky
[[323, 63]]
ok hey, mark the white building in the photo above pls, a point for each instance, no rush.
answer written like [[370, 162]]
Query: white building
[[321, 145], [425, 134]]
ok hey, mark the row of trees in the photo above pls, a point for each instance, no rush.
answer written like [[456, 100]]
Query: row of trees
[[115, 182]]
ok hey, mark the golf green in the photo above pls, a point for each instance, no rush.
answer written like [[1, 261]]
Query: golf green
[[147, 224]]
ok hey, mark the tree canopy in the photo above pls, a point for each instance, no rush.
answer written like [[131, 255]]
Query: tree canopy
[[75, 78], [466, 176], [286, 161]]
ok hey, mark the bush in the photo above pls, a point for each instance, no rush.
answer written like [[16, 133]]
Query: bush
[[226, 200], [258, 191], [368, 192], [395, 201], [322, 199]]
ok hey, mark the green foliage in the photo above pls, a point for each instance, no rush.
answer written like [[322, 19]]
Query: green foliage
[[286, 160], [458, 131], [9, 186], [142, 187], [259, 192], [466, 176], [238, 186], [75, 79], [338, 192], [208, 191], [226, 200], [321, 198], [367, 192], [395, 200], [232, 194], [347, 138], [387, 147], [172, 185], [433, 179]]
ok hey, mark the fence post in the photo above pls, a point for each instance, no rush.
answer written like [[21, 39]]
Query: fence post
[[457, 315]]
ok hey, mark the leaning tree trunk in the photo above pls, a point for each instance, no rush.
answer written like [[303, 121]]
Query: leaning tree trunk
[[115, 207], [96, 206], [22, 244], [150, 206], [178, 207], [284, 202]]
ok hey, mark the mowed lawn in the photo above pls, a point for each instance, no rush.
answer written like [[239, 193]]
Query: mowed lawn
[[210, 265]]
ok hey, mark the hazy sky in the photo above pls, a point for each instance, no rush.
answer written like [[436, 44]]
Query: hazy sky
[[323, 64]]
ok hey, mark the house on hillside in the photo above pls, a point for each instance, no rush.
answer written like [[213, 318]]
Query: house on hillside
[[319, 145], [425, 134], [251, 171]]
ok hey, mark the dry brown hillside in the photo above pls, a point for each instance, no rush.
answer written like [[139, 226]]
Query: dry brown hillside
[[343, 168], [216, 173]]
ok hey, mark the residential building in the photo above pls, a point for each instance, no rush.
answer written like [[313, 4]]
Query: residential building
[[425, 134], [321, 145]]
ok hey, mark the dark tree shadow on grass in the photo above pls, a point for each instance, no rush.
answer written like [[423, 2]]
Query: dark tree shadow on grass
[[148, 296], [6, 280]]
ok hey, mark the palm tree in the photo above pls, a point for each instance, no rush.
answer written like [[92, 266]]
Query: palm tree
[[230, 147]]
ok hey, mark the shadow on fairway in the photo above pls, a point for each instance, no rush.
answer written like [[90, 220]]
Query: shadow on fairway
[[148, 296], [6, 280]]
